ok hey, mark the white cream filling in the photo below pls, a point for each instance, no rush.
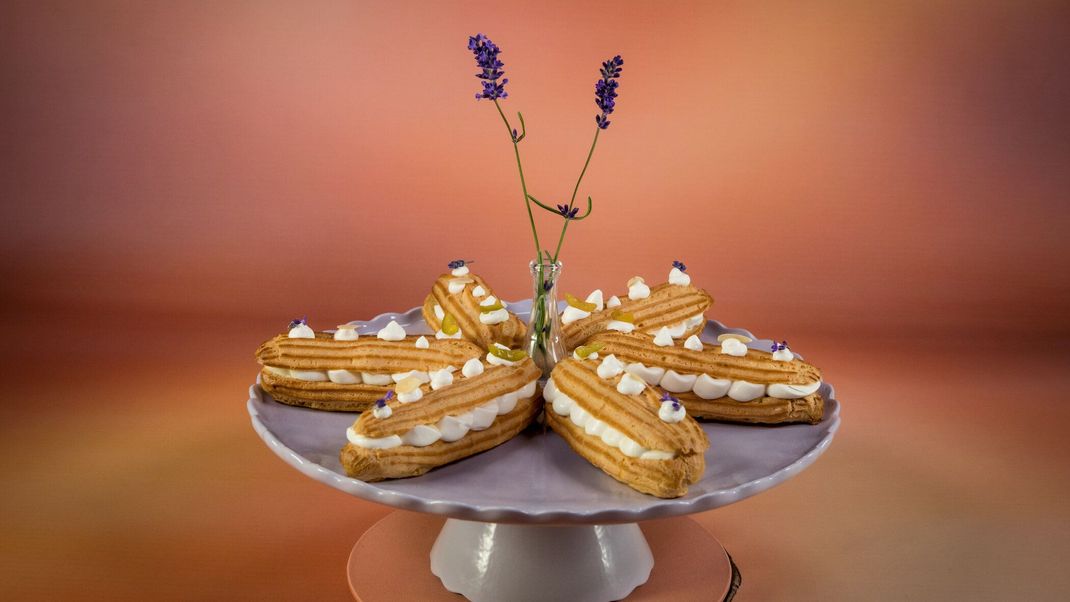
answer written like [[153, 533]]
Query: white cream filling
[[344, 377], [457, 285], [708, 387], [442, 335], [652, 374], [348, 377], [563, 405], [450, 428], [620, 326], [440, 313], [461, 271], [479, 291], [613, 301]]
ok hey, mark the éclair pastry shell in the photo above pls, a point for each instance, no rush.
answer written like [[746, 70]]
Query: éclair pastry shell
[[637, 418], [464, 306], [756, 367], [465, 394], [366, 354], [667, 305]]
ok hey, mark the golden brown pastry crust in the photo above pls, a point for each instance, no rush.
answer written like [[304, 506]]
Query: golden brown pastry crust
[[462, 396], [366, 354], [667, 305], [465, 308], [755, 367], [637, 418]]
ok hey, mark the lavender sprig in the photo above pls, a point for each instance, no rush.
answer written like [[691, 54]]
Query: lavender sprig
[[302, 321], [486, 53], [605, 90]]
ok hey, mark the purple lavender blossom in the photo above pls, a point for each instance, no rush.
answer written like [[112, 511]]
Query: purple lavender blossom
[[459, 263], [486, 53], [679, 265], [566, 212], [381, 402], [781, 346], [605, 90], [302, 321]]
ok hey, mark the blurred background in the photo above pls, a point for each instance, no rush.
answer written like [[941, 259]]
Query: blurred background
[[885, 185]]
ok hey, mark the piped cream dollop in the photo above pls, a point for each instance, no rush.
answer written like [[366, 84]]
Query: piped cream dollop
[[693, 343], [610, 367], [441, 378], [456, 285], [638, 289], [408, 390], [679, 277], [783, 355], [440, 313], [496, 316], [421, 343], [301, 331], [382, 411], [651, 374], [479, 291], [631, 384], [663, 338], [613, 301], [473, 367], [733, 347], [461, 271], [391, 332], [346, 332], [671, 411]]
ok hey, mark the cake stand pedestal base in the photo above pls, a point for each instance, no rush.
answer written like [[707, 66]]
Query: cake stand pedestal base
[[505, 562]]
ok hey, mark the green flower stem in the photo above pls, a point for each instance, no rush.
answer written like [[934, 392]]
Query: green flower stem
[[523, 183], [564, 228]]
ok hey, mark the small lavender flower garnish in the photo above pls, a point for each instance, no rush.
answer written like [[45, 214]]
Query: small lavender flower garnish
[[667, 398], [381, 402], [459, 263], [302, 321], [605, 90], [566, 212], [547, 285], [781, 346], [679, 265], [486, 53]]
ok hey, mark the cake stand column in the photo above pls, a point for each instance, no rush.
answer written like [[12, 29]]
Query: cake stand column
[[582, 563]]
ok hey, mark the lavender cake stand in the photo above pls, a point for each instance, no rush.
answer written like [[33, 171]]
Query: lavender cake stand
[[531, 508]]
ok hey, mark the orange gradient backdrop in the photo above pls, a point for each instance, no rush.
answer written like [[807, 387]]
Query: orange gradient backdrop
[[884, 184]]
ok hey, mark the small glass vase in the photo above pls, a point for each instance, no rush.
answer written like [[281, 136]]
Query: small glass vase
[[544, 342]]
